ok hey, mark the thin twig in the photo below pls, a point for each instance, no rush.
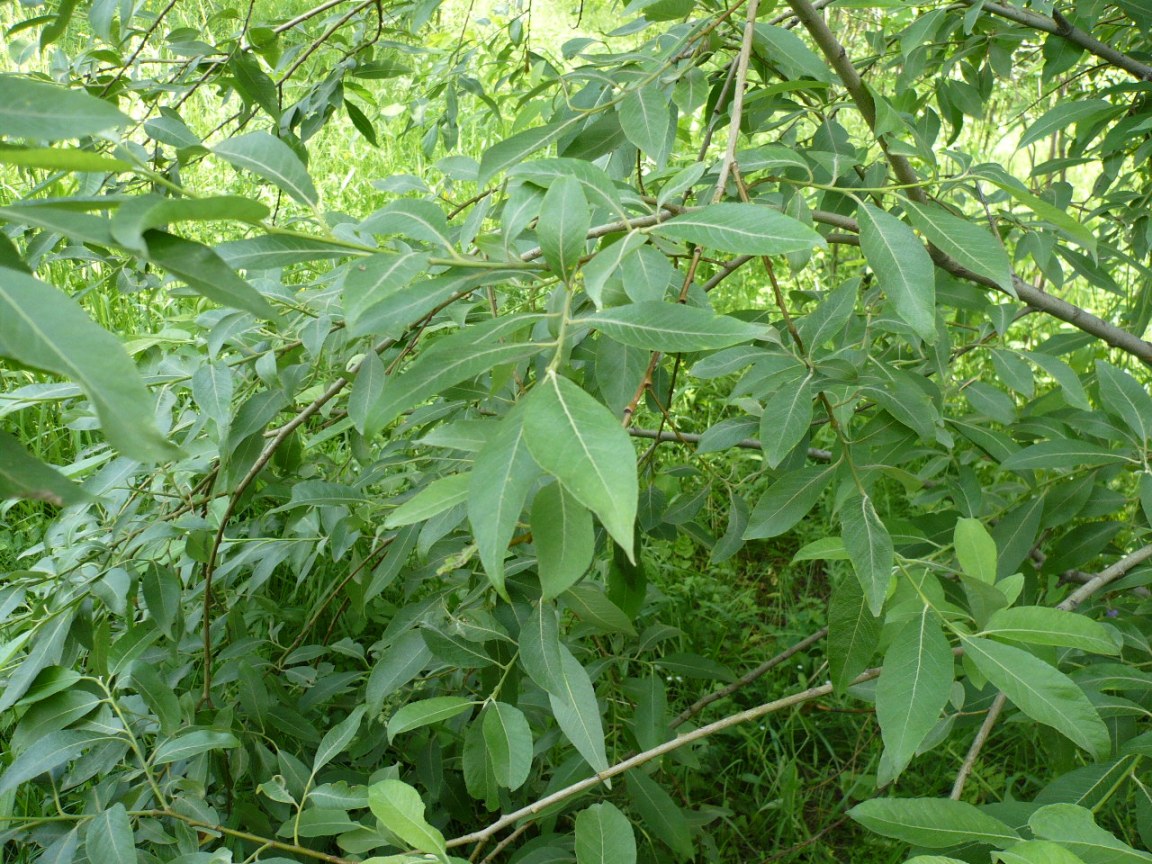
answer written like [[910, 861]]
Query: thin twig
[[746, 679]]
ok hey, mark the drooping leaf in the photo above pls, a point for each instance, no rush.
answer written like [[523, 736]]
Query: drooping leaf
[[1127, 398], [576, 440], [563, 226], [902, 267], [508, 738], [742, 229], [646, 115], [673, 327], [205, 272], [367, 390], [913, 688], [540, 652], [869, 547], [788, 500], [663, 817], [1041, 691], [786, 420], [514, 150], [853, 633], [577, 712], [934, 823], [271, 159], [562, 535], [45, 329]]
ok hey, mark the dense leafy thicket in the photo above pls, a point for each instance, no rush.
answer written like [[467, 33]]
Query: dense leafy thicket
[[334, 530]]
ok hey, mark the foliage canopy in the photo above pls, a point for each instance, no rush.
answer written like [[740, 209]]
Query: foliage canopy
[[336, 510]]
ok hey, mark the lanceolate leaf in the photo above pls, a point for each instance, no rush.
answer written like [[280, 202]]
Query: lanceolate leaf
[[44, 328], [337, 739], [660, 813], [509, 742], [673, 327], [742, 229], [503, 473], [788, 500], [273, 160], [902, 267], [1075, 829], [786, 419], [540, 650], [853, 633], [976, 550], [913, 688], [205, 272], [426, 711], [562, 535], [1062, 454], [578, 713], [1041, 691], [869, 547], [966, 242], [109, 837], [576, 440], [934, 823], [563, 226], [46, 754], [512, 151], [439, 495], [1127, 398], [1043, 625]]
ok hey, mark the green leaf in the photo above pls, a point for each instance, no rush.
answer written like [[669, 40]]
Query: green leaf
[[253, 83], [61, 159], [46, 754], [1015, 535], [409, 217], [516, 149], [742, 229], [540, 653], [647, 116], [47, 649], [1049, 212], [1043, 625], [853, 633], [466, 354], [441, 494], [1037, 852], [563, 226], [1063, 453], [272, 251], [902, 267], [144, 212], [592, 605], [788, 500], [914, 687], [24, 476], [787, 418], [502, 475], [426, 712], [193, 743], [578, 441], [1125, 397], [45, 329], [562, 535], [785, 48], [1063, 375], [108, 838], [373, 287], [57, 712], [966, 242], [604, 836], [1041, 691], [399, 664], [367, 390], [508, 739], [158, 695], [934, 823], [1074, 828], [975, 549], [869, 548], [399, 807], [664, 818], [45, 112], [271, 159], [673, 327], [1064, 115], [323, 822], [205, 272], [337, 739], [577, 712]]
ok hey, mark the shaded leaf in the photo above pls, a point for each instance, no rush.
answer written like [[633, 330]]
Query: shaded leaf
[[270, 158], [742, 229]]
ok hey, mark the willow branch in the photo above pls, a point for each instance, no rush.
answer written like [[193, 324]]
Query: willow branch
[[1060, 26], [639, 759], [737, 109], [816, 454]]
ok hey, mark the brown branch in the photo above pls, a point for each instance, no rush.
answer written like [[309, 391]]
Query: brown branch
[[814, 453], [1060, 26]]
